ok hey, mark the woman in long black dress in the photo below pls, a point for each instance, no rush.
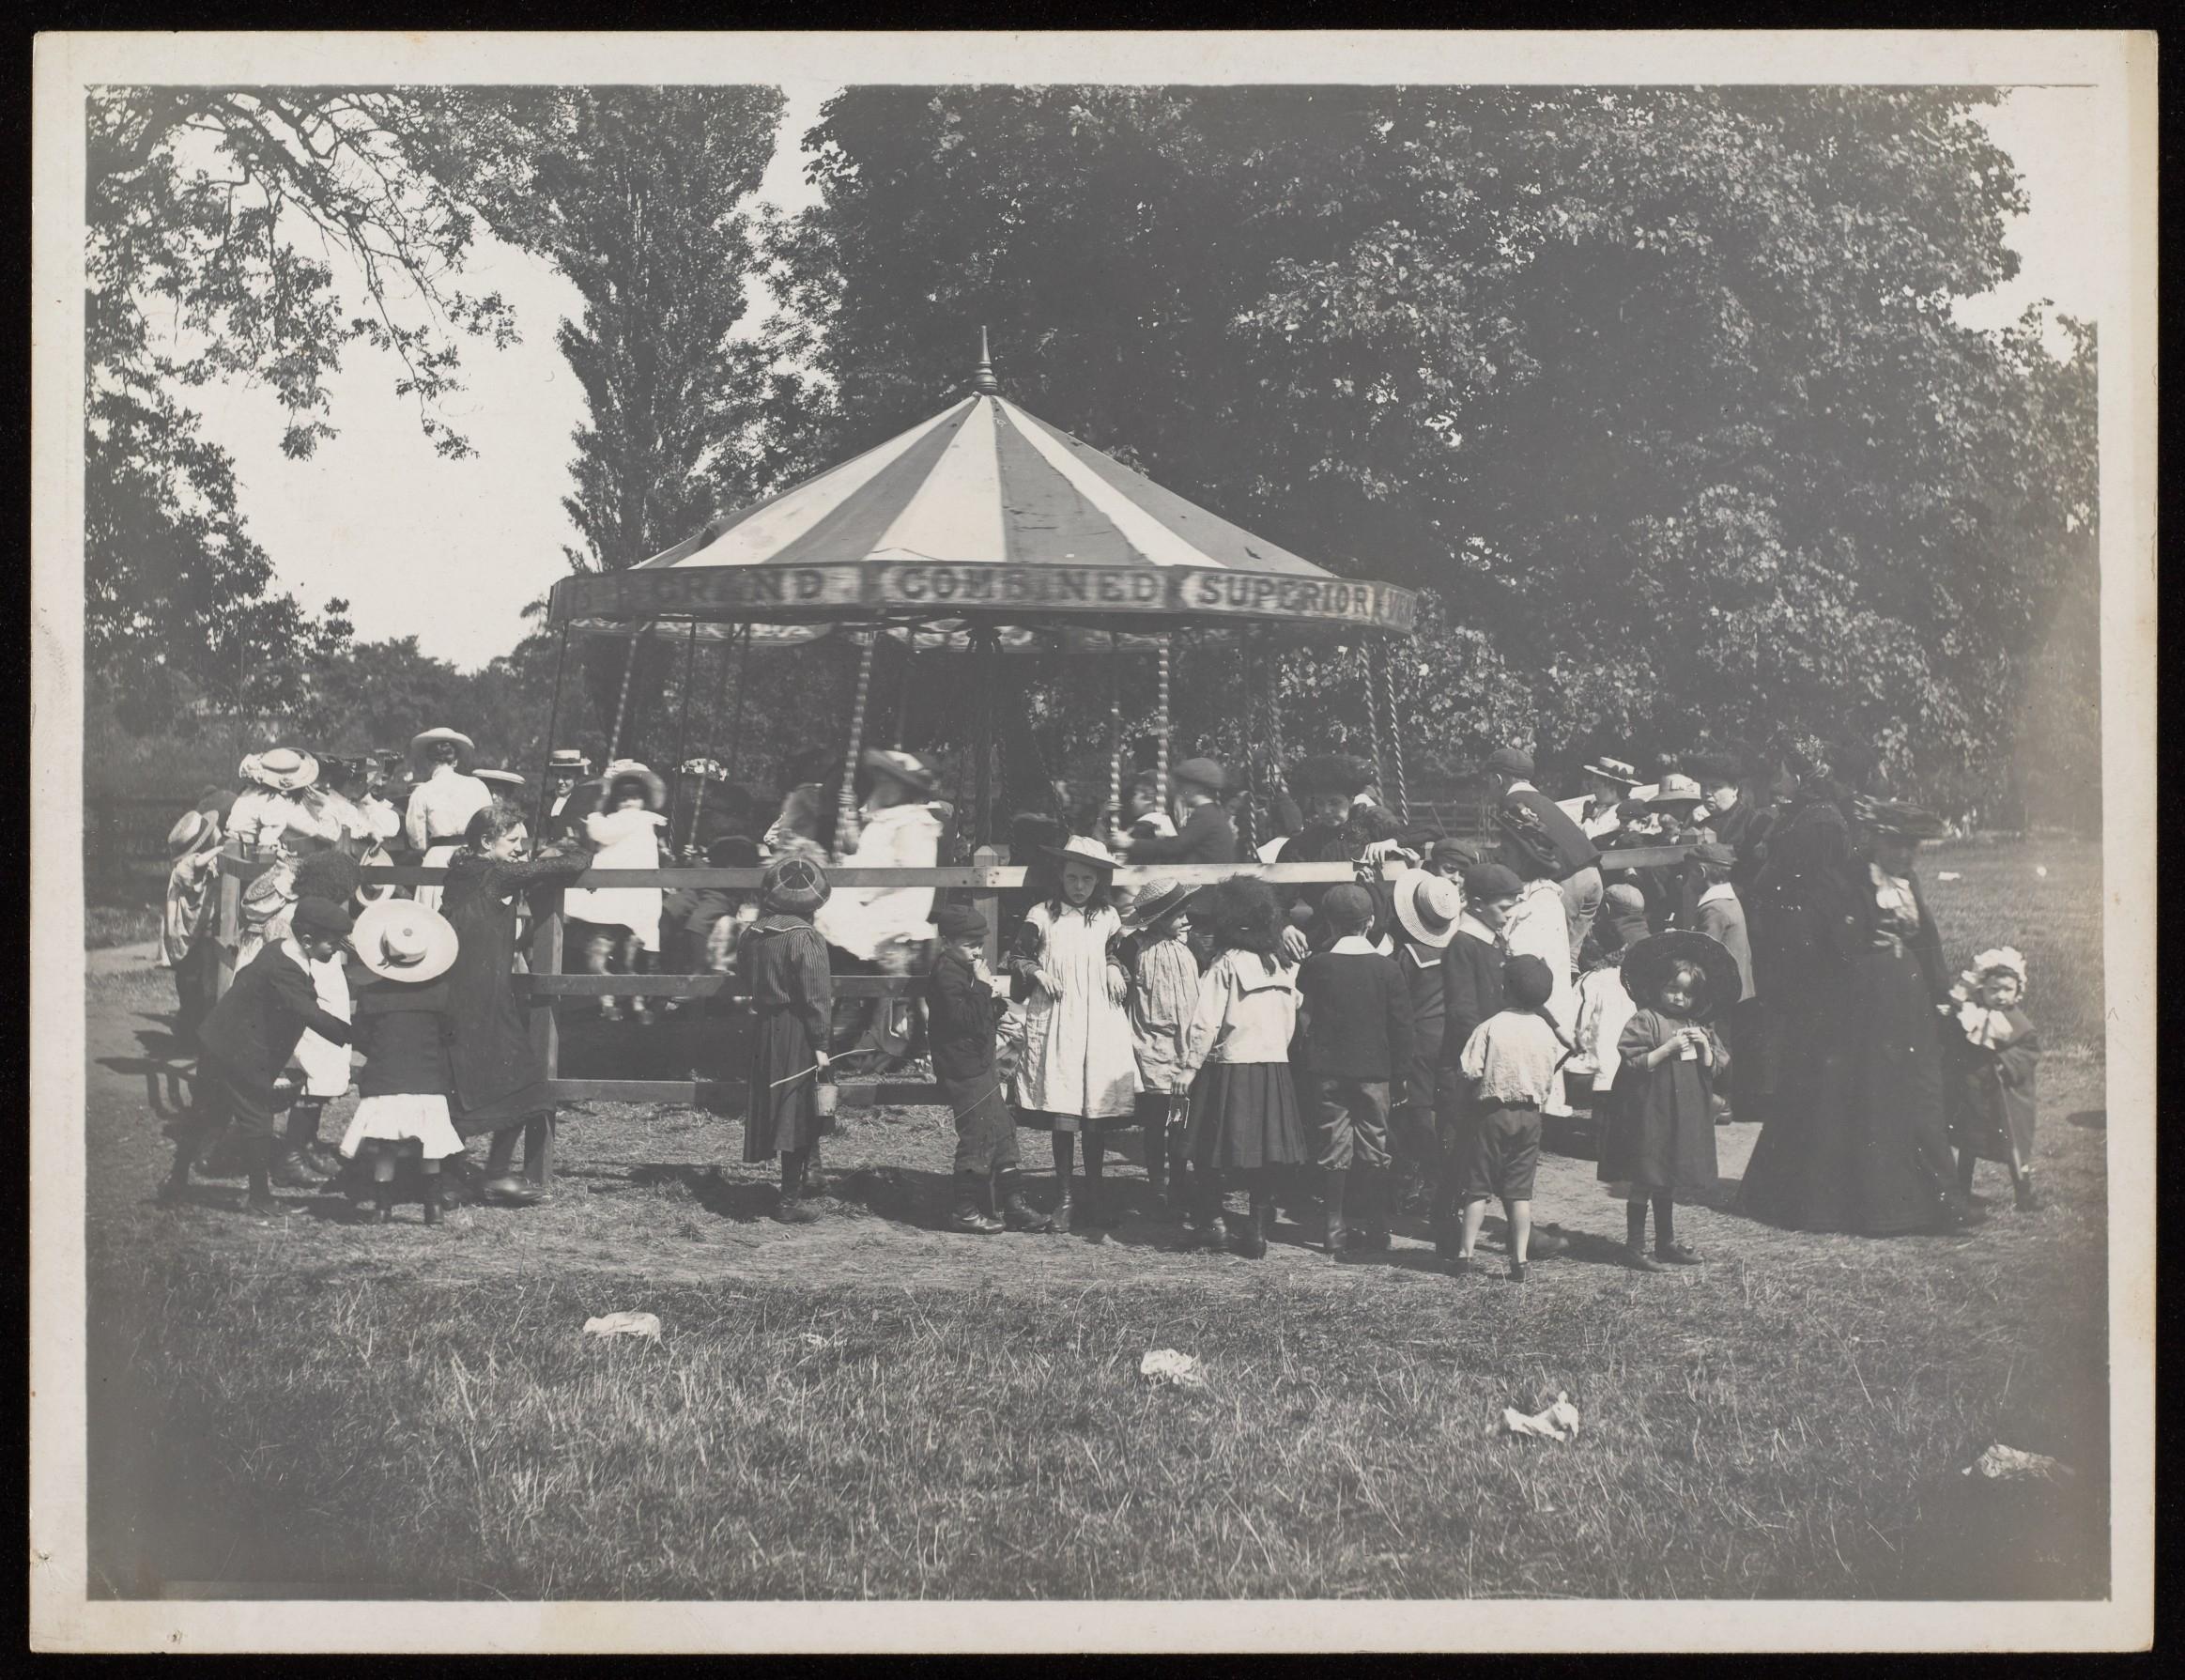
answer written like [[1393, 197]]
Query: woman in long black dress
[[492, 1055], [1860, 1137]]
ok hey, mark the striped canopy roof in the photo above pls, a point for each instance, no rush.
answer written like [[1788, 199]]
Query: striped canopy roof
[[983, 517]]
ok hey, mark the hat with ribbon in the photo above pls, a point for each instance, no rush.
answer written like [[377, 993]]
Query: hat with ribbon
[[960, 921], [421, 744], [794, 883], [568, 758], [1080, 848], [1614, 770], [191, 831], [629, 771], [1648, 964], [1156, 902], [1676, 789], [1427, 907], [913, 772], [282, 769], [375, 856], [500, 780], [399, 939]]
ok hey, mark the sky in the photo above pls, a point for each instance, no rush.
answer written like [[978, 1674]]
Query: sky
[[452, 551]]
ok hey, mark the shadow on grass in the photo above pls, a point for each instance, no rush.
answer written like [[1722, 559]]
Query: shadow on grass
[[2097, 1118]]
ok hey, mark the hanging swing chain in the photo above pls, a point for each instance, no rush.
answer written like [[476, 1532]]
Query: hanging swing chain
[[1274, 745], [902, 704], [1250, 661], [1115, 815], [682, 734], [621, 705], [1372, 712], [1403, 805], [1161, 736], [712, 736], [846, 805]]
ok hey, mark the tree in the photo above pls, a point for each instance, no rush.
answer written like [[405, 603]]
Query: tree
[[637, 194], [1658, 392], [204, 209]]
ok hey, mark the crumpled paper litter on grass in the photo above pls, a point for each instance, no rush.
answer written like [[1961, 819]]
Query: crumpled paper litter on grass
[[625, 1324], [2000, 1463], [1166, 1366], [1559, 1422]]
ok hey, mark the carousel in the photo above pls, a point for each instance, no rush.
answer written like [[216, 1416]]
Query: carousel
[[980, 533]]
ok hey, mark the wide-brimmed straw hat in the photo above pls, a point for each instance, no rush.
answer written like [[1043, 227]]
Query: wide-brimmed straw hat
[[1614, 770], [1649, 962], [1427, 907], [466, 750], [500, 778], [906, 767], [568, 758], [284, 769], [376, 857], [191, 831], [1157, 900], [1080, 848], [400, 939], [623, 770], [794, 883]]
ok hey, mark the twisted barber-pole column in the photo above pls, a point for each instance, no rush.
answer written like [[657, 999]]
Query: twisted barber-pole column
[[1403, 805], [1161, 739], [846, 807]]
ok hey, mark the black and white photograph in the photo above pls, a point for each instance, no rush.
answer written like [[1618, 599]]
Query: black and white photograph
[[1150, 841]]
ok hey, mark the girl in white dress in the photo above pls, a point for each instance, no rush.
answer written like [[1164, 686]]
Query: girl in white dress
[[624, 834], [1080, 1072]]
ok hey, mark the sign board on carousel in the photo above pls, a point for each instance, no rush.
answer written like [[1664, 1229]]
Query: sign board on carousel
[[1060, 592]]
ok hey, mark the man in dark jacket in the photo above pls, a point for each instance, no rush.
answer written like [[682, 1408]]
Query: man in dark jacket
[[1577, 867], [1472, 989], [247, 1040]]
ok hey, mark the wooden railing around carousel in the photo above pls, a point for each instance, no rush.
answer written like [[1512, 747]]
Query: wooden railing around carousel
[[545, 981]]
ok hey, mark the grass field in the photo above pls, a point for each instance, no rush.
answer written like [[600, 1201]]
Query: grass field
[[871, 1406]]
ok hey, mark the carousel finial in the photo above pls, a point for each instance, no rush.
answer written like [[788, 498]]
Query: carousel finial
[[982, 380]]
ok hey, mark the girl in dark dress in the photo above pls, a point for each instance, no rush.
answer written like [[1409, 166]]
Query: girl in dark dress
[[493, 1056], [1858, 1140], [783, 962], [1659, 1141]]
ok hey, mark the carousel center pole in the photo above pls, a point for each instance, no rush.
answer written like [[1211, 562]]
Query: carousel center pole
[[683, 734], [983, 652], [553, 728]]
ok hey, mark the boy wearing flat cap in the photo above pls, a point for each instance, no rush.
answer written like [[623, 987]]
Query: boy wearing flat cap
[[963, 1013], [1203, 832], [247, 1040]]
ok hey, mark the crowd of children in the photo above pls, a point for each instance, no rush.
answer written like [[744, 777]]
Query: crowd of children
[[1375, 1047]]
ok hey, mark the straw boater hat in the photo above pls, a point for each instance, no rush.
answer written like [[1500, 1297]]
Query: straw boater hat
[[1614, 770], [794, 883], [1427, 907], [500, 778], [1156, 900], [466, 750], [1646, 965], [906, 767], [569, 758], [399, 939], [281, 768], [190, 832], [630, 770], [1078, 848]]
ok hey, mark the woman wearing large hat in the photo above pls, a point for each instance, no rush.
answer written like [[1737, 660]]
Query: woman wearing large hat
[[442, 803], [1858, 1137], [272, 803]]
